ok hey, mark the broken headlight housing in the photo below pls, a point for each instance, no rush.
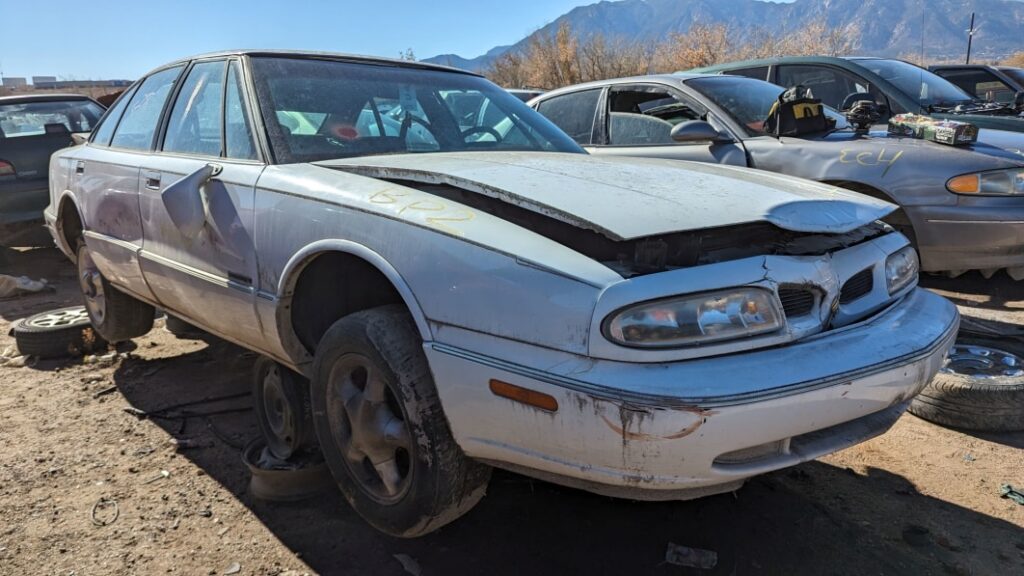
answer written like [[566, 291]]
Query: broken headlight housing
[[993, 183], [696, 319], [901, 268]]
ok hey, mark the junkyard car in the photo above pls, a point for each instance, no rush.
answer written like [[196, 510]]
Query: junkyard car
[[639, 328], [31, 128], [963, 205], [989, 83], [898, 87]]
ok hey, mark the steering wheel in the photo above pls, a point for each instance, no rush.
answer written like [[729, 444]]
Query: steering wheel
[[483, 130], [407, 123]]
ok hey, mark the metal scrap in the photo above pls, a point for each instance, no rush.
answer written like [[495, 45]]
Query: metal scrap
[[104, 503], [1015, 494]]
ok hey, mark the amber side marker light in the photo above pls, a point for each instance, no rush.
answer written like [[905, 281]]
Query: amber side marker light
[[524, 395], [966, 184]]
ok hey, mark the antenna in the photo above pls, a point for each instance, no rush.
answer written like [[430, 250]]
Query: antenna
[[970, 38]]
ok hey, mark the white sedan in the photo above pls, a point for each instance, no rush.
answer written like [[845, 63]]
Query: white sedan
[[453, 296]]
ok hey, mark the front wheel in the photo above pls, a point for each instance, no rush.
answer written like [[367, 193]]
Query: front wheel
[[382, 429], [115, 315]]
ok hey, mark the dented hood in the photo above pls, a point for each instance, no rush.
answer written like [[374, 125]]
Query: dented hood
[[625, 198]]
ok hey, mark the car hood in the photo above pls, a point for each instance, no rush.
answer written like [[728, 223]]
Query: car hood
[[631, 197], [999, 144]]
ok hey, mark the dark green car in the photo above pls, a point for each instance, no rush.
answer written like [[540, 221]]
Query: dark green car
[[896, 86]]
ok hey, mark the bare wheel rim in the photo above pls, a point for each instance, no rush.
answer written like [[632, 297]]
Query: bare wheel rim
[[279, 413], [90, 279], [980, 361], [369, 429], [59, 318]]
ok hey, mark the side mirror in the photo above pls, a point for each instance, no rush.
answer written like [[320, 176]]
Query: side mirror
[[80, 137], [185, 201], [697, 131]]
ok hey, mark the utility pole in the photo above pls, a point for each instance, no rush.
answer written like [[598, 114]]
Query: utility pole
[[970, 37]]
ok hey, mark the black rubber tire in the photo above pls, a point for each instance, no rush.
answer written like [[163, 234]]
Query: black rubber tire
[[983, 404], [71, 338], [182, 329], [297, 405], [444, 483], [126, 317]]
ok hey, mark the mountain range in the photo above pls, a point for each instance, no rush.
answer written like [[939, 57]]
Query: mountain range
[[886, 27]]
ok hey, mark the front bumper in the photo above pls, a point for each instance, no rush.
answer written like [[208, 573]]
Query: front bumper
[[970, 237], [661, 432]]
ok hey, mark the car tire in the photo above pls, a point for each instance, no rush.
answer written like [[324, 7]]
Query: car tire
[[981, 387], [114, 314], [58, 334], [374, 398], [283, 409], [181, 329]]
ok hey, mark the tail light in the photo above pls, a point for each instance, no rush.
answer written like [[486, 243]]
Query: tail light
[[7, 169]]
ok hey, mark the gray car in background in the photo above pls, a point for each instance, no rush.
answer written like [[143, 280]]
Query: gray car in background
[[32, 128], [989, 83], [963, 206]]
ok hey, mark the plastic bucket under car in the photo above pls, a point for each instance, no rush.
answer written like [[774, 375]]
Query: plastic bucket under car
[[276, 480]]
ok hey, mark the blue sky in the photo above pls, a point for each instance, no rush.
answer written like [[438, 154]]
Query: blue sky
[[104, 39]]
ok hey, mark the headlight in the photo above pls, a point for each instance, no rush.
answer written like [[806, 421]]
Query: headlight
[[901, 269], [698, 319], [996, 183]]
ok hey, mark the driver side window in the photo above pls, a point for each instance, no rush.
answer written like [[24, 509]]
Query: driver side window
[[645, 115]]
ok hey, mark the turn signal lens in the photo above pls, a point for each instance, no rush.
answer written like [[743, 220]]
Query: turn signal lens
[[6, 168], [524, 395], [966, 184]]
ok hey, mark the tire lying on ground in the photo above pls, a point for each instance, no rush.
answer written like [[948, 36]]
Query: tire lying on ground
[[981, 387], [58, 333]]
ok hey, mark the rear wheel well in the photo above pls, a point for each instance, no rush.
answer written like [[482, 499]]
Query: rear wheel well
[[69, 225], [331, 286]]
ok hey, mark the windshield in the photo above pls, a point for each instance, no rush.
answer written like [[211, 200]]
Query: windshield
[[50, 117], [927, 88], [1017, 74], [748, 101], [321, 109]]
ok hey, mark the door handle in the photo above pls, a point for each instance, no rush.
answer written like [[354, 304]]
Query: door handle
[[153, 180], [80, 167]]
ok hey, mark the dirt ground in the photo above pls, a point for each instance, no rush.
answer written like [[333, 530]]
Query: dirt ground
[[919, 500]]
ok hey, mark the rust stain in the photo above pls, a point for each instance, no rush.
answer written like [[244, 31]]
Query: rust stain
[[627, 435]]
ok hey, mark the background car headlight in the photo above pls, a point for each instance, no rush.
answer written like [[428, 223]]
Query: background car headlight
[[901, 269], [996, 183], [697, 319]]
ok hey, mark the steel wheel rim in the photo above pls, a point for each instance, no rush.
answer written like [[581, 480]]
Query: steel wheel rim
[[369, 429], [59, 318], [278, 413], [980, 361], [91, 281]]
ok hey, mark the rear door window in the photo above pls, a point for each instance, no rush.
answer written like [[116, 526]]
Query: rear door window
[[139, 123], [574, 113], [195, 123]]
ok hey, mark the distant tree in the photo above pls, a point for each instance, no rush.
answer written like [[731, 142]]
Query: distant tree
[[1016, 60], [509, 70], [407, 54]]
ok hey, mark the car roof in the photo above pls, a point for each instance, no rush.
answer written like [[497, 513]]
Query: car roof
[[784, 60], [314, 55], [666, 78], [25, 98]]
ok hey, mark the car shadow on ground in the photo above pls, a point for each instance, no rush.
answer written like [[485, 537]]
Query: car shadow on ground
[[39, 263], [795, 521], [1000, 292]]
